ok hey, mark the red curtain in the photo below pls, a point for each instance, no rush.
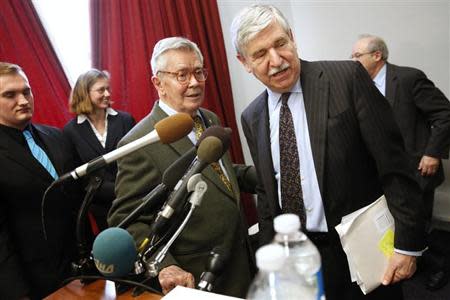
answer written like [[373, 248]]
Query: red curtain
[[25, 42], [123, 36]]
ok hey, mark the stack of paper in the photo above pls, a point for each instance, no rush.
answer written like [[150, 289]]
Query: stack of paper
[[367, 237], [184, 293]]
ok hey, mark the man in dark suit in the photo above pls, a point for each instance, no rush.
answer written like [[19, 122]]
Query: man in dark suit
[[342, 143], [32, 265], [179, 77], [421, 110]]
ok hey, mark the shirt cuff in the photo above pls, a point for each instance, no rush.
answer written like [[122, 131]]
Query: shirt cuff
[[411, 253]]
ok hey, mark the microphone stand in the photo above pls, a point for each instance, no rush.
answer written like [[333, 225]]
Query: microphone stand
[[85, 264], [198, 188]]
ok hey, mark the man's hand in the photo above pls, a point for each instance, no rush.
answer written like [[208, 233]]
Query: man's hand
[[400, 267], [172, 276], [428, 165]]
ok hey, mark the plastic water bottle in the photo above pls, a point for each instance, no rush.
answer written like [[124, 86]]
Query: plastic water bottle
[[302, 255], [274, 281]]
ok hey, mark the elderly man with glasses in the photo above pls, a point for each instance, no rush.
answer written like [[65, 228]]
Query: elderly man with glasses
[[179, 77], [423, 114]]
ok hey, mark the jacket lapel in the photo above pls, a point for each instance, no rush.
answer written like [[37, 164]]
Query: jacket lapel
[[88, 134], [261, 127], [114, 131], [316, 96], [22, 157], [182, 145], [212, 175], [391, 84]]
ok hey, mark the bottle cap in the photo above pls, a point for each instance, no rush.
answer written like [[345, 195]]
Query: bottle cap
[[270, 257], [286, 223]]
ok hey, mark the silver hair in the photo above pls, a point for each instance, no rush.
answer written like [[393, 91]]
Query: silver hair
[[376, 44], [157, 62], [253, 19]]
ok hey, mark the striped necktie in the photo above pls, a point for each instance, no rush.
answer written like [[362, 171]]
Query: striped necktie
[[198, 129], [291, 186], [40, 154]]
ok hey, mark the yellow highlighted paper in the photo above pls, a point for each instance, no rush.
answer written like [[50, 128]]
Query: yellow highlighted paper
[[386, 244]]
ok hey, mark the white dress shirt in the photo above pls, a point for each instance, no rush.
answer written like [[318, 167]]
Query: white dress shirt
[[380, 80], [100, 137], [315, 215]]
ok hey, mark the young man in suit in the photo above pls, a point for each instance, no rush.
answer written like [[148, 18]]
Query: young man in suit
[[179, 77], [323, 130], [32, 265], [422, 112]]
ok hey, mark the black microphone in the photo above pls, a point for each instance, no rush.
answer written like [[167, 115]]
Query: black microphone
[[170, 178], [215, 265], [210, 149], [166, 131]]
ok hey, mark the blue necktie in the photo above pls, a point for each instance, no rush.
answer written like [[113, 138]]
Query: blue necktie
[[39, 154]]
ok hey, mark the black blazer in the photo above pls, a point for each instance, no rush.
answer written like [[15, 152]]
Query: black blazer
[[30, 264], [357, 150], [423, 114], [86, 147]]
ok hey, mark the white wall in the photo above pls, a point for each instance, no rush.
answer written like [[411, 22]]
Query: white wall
[[416, 32], [68, 28]]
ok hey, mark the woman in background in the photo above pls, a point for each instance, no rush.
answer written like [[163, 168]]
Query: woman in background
[[95, 131]]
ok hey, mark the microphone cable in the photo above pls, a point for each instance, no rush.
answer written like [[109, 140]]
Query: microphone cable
[[44, 197], [114, 279]]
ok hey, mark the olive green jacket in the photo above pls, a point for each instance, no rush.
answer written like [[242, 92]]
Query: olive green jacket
[[218, 221]]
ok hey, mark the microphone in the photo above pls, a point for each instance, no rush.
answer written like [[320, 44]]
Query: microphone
[[166, 131], [170, 178], [210, 149], [114, 252], [214, 268]]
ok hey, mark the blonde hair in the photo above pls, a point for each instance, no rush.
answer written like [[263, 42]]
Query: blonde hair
[[7, 68], [80, 101]]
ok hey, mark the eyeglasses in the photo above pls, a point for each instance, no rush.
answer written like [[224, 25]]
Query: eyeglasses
[[102, 90], [358, 55], [184, 76]]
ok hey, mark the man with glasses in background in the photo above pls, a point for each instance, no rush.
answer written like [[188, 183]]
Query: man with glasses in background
[[423, 114], [179, 77]]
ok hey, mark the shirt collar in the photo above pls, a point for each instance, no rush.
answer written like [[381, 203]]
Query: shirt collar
[[109, 111], [380, 79], [274, 97], [169, 110]]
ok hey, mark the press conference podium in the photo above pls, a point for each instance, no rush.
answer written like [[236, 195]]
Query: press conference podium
[[98, 290]]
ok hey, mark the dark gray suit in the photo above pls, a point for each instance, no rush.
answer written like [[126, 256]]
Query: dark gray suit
[[358, 155], [218, 221], [423, 114]]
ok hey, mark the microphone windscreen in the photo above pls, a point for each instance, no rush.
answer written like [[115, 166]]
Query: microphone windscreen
[[176, 170], [218, 258], [173, 128], [114, 252], [223, 134], [210, 149]]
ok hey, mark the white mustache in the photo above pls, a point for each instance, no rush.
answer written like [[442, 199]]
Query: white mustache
[[275, 70]]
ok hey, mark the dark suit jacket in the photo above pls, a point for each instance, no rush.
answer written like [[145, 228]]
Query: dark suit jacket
[[30, 264], [217, 222], [423, 114], [87, 147], [357, 149]]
